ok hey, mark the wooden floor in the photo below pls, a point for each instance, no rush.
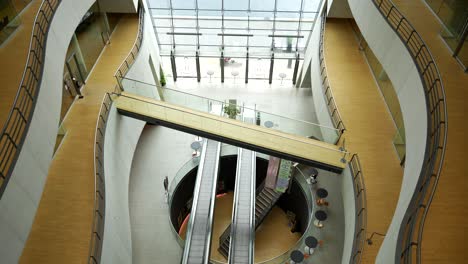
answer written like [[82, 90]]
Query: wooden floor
[[62, 227], [370, 129], [266, 138], [13, 54], [272, 238], [445, 231]]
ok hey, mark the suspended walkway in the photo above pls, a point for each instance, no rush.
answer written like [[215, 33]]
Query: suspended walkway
[[276, 143]]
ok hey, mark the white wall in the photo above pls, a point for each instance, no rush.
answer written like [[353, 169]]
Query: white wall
[[312, 47], [118, 6], [21, 198], [141, 70], [349, 205], [402, 71], [122, 134]]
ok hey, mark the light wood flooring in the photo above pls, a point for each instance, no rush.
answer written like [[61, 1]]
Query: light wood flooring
[[62, 226], [370, 128], [445, 230], [13, 54]]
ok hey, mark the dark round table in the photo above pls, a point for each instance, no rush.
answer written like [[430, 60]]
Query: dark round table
[[321, 215], [322, 193], [297, 256], [311, 242]]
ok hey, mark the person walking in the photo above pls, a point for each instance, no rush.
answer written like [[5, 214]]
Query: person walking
[[166, 187]]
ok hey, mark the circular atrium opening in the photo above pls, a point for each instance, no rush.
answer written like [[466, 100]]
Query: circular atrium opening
[[278, 231]]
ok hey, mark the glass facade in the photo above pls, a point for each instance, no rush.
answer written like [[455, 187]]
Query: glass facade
[[232, 31], [454, 17]]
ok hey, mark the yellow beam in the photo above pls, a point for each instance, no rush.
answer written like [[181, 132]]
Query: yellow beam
[[273, 141]]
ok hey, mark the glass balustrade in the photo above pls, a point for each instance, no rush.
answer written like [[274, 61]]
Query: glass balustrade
[[207, 105]]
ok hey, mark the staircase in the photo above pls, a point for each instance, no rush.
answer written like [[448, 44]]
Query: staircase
[[265, 200]]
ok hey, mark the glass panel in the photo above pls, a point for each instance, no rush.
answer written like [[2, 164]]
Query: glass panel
[[186, 67], [185, 40], [210, 23], [210, 69], [289, 5], [209, 4], [162, 22], [453, 14], [259, 68], [183, 4], [311, 5], [281, 123], [261, 24], [235, 24], [236, 5], [10, 20], [260, 38], [283, 69], [158, 3], [89, 33], [262, 5], [234, 68], [463, 54], [184, 23], [167, 70], [210, 37]]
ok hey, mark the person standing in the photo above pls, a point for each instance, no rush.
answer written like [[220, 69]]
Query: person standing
[[166, 187]]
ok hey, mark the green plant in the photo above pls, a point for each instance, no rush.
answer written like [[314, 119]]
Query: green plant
[[231, 110], [162, 80]]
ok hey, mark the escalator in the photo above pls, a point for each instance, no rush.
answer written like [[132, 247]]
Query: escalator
[[198, 239]]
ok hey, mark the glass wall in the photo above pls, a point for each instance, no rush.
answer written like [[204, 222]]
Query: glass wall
[[454, 17], [260, 28], [9, 19], [388, 92]]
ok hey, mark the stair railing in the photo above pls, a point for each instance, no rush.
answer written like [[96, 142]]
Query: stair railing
[[411, 230], [16, 127], [97, 233]]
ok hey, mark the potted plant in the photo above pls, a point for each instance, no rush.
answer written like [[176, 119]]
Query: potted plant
[[163, 79], [231, 110]]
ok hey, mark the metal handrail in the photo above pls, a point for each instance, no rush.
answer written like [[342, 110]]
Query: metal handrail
[[97, 232], [131, 57], [328, 93], [361, 210], [16, 127], [411, 230]]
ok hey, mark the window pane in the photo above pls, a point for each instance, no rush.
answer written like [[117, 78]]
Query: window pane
[[185, 4], [210, 23], [235, 52], [261, 24], [187, 23], [262, 5], [259, 68], [236, 24], [162, 22], [209, 4], [283, 69], [235, 41], [236, 5], [158, 3], [210, 65], [186, 67], [234, 68], [289, 5], [311, 5]]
